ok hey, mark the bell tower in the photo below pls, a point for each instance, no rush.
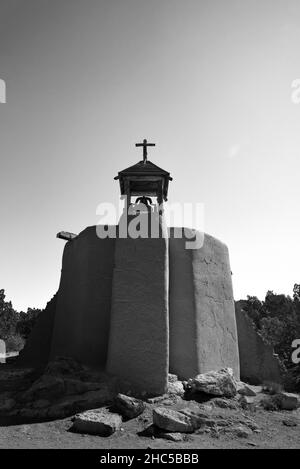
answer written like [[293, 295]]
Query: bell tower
[[138, 349], [144, 179]]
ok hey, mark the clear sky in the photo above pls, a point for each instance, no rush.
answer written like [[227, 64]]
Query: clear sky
[[208, 81]]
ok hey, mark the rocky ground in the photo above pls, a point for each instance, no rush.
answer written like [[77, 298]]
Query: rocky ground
[[69, 406]]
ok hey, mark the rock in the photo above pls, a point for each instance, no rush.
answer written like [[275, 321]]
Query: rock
[[32, 414], [168, 402], [76, 386], [62, 410], [207, 408], [288, 401], [51, 388], [176, 387], [64, 366], [97, 422], [129, 407], [64, 395], [222, 423], [225, 403], [172, 420], [290, 422], [245, 389], [252, 425], [46, 387], [171, 436], [172, 378], [71, 404], [241, 431], [257, 389], [247, 403], [41, 404], [270, 403], [7, 405], [185, 385], [157, 400], [217, 383], [16, 379], [198, 418]]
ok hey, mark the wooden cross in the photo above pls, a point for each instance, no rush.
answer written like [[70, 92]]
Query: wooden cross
[[145, 144]]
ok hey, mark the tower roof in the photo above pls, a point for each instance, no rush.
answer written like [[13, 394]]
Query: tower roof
[[144, 178], [144, 168]]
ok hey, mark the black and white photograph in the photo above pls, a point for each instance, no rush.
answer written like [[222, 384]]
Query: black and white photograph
[[150, 228]]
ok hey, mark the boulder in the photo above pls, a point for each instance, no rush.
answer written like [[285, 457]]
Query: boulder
[[217, 383], [46, 387], [87, 401], [241, 431], [16, 379], [271, 402], [41, 404], [7, 405], [171, 436], [288, 401], [31, 414], [224, 403], [76, 386], [172, 378], [245, 389], [65, 406], [157, 399], [176, 387], [128, 407], [172, 420], [97, 422], [247, 403], [198, 417], [64, 366], [291, 422], [256, 388]]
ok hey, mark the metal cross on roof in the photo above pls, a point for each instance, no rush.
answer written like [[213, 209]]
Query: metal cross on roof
[[145, 144]]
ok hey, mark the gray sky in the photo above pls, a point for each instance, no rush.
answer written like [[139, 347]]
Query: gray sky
[[208, 81]]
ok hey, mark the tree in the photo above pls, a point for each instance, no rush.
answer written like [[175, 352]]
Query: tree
[[8, 317], [277, 319], [254, 309], [296, 292], [15, 327], [26, 322]]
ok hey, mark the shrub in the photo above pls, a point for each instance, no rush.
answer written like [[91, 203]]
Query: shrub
[[14, 343]]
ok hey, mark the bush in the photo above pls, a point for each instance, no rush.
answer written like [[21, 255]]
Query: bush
[[14, 343], [277, 319], [15, 327]]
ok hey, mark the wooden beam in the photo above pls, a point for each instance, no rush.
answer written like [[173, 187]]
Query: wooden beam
[[66, 235]]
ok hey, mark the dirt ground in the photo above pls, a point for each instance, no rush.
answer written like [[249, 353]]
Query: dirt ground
[[56, 435]]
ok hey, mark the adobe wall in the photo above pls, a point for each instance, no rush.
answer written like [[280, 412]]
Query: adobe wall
[[257, 360], [203, 333], [139, 331], [114, 302], [82, 319], [182, 314], [37, 348]]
